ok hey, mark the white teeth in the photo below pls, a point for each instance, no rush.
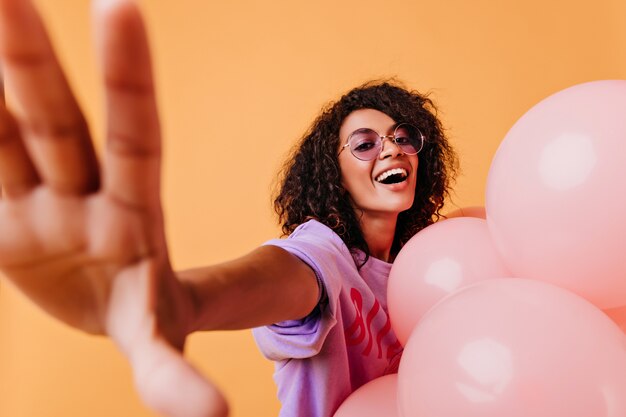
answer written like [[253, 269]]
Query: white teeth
[[394, 171]]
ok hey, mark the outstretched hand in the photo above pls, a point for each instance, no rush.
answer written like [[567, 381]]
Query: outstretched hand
[[84, 240]]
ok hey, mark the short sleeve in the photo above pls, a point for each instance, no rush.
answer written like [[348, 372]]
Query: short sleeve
[[325, 253]]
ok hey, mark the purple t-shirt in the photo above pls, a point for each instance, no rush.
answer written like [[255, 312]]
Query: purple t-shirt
[[345, 342]]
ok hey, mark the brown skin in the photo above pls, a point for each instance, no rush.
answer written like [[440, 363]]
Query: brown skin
[[85, 240]]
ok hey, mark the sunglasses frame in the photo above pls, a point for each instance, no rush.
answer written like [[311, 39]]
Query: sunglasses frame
[[393, 138]]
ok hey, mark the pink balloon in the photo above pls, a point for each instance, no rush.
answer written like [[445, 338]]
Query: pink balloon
[[436, 262], [473, 211], [377, 398], [555, 195], [515, 348]]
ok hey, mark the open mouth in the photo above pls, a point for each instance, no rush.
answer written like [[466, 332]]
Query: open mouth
[[392, 176]]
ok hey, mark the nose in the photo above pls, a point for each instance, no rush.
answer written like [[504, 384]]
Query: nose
[[391, 149]]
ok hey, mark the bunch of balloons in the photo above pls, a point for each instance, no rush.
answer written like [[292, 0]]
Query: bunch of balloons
[[507, 312]]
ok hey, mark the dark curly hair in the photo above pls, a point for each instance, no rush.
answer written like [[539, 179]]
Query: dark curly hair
[[310, 183]]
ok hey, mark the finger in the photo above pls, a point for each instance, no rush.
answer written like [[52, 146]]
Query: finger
[[171, 386], [166, 382], [17, 172], [133, 132], [53, 126]]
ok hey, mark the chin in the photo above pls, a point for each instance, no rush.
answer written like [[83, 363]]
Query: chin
[[404, 205], [400, 208]]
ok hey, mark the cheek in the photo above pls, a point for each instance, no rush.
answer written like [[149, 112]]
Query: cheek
[[357, 186], [354, 173]]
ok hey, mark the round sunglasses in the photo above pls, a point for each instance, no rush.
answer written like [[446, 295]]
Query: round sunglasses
[[366, 144]]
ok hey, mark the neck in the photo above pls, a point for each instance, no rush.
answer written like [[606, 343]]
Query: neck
[[379, 232]]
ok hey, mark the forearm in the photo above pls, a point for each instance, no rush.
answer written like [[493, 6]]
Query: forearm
[[266, 286]]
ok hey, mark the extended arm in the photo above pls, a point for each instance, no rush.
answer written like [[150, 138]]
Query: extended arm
[[84, 239], [266, 286]]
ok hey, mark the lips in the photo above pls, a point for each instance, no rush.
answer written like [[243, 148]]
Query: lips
[[392, 176]]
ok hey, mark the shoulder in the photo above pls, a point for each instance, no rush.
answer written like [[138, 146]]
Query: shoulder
[[316, 233], [314, 241]]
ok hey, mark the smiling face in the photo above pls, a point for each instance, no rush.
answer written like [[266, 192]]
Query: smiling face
[[385, 185]]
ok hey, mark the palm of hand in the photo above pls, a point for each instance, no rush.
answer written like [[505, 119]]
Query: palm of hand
[[54, 245], [87, 244]]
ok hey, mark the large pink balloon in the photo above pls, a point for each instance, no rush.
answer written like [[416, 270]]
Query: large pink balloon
[[377, 398], [515, 348], [555, 193], [436, 262]]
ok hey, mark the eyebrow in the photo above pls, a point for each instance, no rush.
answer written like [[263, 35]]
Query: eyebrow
[[390, 129], [362, 129]]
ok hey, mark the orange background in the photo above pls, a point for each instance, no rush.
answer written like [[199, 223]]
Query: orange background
[[238, 83]]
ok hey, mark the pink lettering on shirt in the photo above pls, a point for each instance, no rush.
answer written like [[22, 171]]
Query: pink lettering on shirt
[[362, 327]]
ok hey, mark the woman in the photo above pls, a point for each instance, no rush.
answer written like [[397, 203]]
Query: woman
[[371, 172], [86, 243]]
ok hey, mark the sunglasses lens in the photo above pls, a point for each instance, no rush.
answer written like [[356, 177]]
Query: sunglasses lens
[[409, 138], [365, 144]]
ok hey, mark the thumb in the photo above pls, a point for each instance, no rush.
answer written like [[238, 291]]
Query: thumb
[[171, 386], [166, 382]]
